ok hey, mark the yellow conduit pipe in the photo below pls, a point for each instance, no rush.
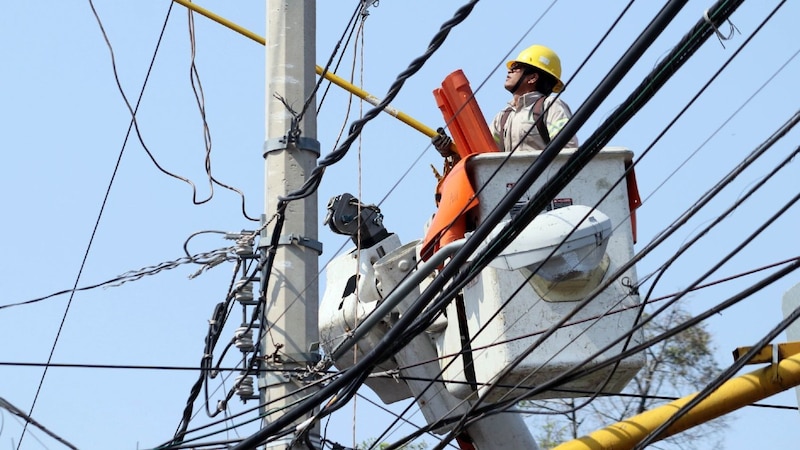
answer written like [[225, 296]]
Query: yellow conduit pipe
[[734, 394], [333, 78]]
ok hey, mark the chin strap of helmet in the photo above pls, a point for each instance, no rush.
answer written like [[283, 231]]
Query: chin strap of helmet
[[519, 83]]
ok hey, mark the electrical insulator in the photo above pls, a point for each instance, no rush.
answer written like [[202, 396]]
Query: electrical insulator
[[244, 292], [243, 339], [244, 387], [244, 247]]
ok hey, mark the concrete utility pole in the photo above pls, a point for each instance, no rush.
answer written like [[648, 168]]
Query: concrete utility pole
[[290, 154]]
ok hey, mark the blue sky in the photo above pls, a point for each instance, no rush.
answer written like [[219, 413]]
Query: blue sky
[[64, 123]]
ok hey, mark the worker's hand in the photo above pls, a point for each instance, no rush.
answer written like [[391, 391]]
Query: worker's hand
[[442, 143]]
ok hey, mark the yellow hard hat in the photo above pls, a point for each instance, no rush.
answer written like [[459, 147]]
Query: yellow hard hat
[[543, 58]]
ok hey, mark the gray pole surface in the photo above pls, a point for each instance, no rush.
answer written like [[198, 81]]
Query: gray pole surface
[[292, 292]]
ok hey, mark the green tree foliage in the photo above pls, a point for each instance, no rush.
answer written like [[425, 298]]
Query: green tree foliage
[[674, 368]]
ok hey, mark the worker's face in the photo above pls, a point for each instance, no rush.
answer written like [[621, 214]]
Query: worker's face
[[517, 81]]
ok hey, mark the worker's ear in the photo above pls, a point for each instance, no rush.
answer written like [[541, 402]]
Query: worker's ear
[[533, 78]]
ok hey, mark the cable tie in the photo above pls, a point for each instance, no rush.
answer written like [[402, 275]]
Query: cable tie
[[719, 34]]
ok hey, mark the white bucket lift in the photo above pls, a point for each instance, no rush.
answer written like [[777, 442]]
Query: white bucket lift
[[532, 285], [505, 309]]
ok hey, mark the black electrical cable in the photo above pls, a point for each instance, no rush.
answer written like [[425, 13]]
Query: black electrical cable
[[249, 326], [390, 412], [552, 410], [205, 364], [171, 444], [351, 27], [697, 95], [197, 89], [253, 364], [751, 158], [4, 404]]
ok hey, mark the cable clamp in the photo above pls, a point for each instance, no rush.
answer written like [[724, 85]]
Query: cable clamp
[[293, 239], [719, 34], [283, 143]]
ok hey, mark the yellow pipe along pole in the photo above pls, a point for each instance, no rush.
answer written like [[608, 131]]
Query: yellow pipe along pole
[[333, 78], [732, 395]]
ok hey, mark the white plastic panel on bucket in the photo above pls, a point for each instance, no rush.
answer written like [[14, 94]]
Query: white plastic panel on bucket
[[350, 296], [504, 314]]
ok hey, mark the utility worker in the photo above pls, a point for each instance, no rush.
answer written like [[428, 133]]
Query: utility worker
[[531, 78]]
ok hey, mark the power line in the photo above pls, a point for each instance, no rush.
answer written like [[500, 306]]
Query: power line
[[29, 420], [197, 89], [207, 259]]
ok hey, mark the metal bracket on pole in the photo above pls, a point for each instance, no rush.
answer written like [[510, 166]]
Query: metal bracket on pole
[[300, 143], [293, 239]]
